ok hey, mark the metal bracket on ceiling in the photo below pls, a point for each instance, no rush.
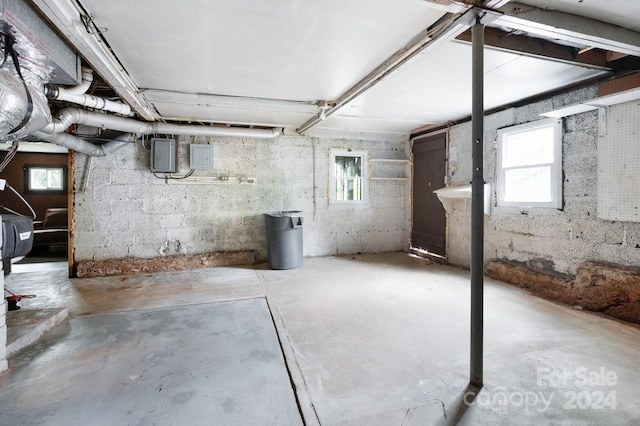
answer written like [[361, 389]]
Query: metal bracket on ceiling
[[481, 15], [87, 21], [323, 106]]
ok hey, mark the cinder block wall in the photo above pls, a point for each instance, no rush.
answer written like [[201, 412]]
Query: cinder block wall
[[122, 210], [552, 240]]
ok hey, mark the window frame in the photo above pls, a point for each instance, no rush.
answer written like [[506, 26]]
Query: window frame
[[556, 165], [27, 179], [364, 156]]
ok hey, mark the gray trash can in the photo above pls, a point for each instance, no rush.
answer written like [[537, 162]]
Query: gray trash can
[[284, 239]]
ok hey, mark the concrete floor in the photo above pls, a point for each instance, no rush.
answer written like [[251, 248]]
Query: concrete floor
[[368, 339]]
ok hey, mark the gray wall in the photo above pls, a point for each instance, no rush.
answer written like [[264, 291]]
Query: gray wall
[[549, 239], [122, 210]]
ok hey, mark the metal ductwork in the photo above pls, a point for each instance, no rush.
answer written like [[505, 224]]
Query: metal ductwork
[[80, 145], [67, 116], [54, 132], [21, 114], [24, 69]]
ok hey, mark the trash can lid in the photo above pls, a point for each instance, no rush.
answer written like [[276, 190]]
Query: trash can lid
[[285, 213]]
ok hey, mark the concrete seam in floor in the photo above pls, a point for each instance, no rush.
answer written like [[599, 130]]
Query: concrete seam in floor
[[307, 409], [159, 308], [37, 331]]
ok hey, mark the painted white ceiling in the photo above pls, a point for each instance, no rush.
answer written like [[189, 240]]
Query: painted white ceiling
[[277, 49], [267, 63], [440, 88]]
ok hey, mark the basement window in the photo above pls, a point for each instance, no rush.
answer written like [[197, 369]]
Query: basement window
[[530, 165], [348, 181], [45, 179]]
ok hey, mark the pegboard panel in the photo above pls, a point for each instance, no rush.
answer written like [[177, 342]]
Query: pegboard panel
[[619, 164]]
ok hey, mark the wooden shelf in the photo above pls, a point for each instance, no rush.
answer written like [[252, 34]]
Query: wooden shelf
[[389, 169], [389, 178], [384, 160]]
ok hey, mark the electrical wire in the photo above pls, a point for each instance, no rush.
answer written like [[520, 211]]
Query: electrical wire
[[165, 177], [5, 161], [33, 213], [10, 154]]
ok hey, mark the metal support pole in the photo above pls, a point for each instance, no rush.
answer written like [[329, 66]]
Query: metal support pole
[[477, 205]]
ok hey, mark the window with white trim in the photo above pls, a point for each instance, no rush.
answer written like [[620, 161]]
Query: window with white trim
[[530, 165], [348, 180]]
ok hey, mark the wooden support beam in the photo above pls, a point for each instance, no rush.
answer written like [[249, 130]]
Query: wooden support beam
[[498, 39], [579, 30]]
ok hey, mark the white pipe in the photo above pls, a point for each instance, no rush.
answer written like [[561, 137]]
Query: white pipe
[[80, 145], [68, 116], [194, 130], [80, 89], [77, 95], [96, 102], [90, 101]]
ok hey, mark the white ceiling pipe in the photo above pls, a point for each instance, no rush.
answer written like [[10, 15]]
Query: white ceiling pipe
[[80, 145], [95, 102], [194, 130], [68, 116], [80, 89], [76, 95]]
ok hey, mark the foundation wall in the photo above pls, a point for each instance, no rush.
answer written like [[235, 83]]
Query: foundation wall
[[546, 240], [609, 289], [123, 211]]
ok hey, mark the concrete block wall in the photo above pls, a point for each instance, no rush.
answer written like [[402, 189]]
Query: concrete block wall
[[123, 210], [548, 239]]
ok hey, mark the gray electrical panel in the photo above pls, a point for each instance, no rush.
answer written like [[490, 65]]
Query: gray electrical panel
[[201, 156], [164, 155]]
